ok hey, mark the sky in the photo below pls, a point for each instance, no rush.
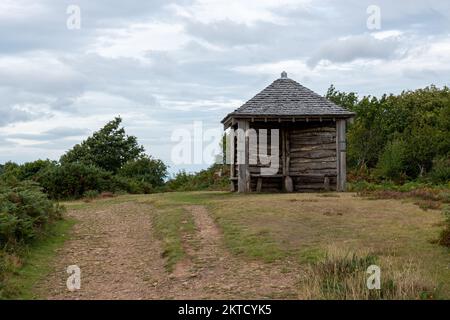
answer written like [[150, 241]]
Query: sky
[[165, 65]]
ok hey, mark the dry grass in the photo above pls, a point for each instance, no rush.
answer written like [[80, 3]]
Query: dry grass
[[343, 276], [297, 230]]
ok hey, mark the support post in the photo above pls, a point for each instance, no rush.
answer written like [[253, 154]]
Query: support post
[[231, 149], [287, 180], [242, 156], [341, 155], [259, 185]]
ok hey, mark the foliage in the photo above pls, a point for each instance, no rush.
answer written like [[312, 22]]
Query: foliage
[[26, 171], [91, 194], [131, 185], [109, 148], [399, 135], [146, 170], [72, 180], [108, 161], [392, 162], [440, 172], [24, 212], [216, 177]]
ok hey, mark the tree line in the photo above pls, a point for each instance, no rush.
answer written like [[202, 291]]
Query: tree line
[[108, 161], [400, 137]]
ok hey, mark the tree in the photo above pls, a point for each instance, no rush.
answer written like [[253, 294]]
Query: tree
[[400, 135], [109, 148]]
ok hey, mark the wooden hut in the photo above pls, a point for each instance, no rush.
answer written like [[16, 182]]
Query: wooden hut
[[310, 147]]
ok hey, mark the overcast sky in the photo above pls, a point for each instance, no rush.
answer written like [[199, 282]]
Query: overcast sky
[[163, 64]]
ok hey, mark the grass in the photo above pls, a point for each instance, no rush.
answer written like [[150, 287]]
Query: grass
[[300, 227], [37, 261], [100, 203], [171, 224], [343, 276]]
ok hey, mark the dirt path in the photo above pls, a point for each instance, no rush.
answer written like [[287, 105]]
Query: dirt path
[[227, 276], [120, 258]]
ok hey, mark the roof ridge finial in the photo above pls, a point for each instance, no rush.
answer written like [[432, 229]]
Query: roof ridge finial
[[284, 75]]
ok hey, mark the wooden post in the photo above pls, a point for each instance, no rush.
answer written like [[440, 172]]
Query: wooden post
[[287, 180], [283, 151], [288, 152], [259, 185], [232, 153], [242, 156], [326, 183], [341, 155]]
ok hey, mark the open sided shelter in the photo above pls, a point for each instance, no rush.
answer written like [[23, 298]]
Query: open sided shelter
[[310, 144]]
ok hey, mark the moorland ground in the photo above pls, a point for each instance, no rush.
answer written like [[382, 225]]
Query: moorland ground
[[220, 245]]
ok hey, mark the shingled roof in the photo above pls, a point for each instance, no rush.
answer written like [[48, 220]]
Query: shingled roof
[[287, 98]]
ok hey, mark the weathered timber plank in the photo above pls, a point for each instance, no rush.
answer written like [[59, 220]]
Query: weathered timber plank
[[315, 171], [313, 154], [310, 160], [316, 129], [326, 146], [313, 165]]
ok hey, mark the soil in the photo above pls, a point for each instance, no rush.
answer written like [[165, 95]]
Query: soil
[[121, 258]]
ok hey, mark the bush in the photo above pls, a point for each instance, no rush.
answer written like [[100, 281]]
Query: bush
[[24, 212], [146, 170], [215, 177], [130, 185], [91, 194], [440, 173], [72, 180], [26, 171], [391, 164]]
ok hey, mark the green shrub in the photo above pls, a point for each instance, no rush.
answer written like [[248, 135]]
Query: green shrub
[[24, 212], [391, 164], [91, 194], [440, 172], [26, 171], [215, 177], [72, 180], [131, 185], [146, 170]]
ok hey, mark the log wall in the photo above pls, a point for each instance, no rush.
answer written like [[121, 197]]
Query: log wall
[[313, 157], [307, 155]]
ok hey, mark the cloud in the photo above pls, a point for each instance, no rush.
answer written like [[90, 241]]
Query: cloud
[[38, 72], [52, 134], [354, 47], [244, 12], [137, 39], [16, 113], [163, 65]]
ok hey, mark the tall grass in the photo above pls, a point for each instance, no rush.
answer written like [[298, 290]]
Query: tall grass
[[343, 276]]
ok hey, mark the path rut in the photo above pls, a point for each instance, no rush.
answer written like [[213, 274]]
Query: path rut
[[120, 258]]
